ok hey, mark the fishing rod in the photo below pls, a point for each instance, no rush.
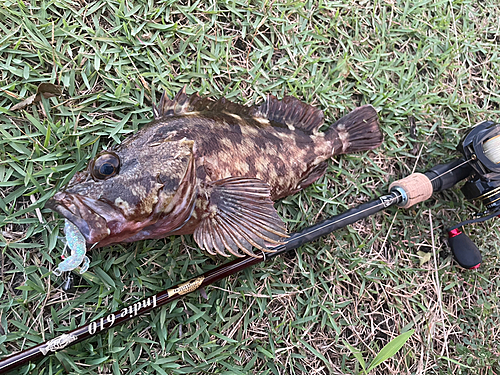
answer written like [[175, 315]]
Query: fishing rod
[[480, 163]]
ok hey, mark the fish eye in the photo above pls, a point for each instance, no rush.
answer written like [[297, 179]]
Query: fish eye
[[105, 165]]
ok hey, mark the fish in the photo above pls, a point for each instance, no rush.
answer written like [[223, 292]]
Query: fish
[[211, 168]]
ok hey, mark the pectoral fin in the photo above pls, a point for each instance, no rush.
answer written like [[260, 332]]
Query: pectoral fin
[[240, 216]]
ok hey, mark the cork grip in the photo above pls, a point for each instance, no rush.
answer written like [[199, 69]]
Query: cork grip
[[417, 187]]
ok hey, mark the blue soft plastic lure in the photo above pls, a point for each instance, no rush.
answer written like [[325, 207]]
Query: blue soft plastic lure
[[76, 242]]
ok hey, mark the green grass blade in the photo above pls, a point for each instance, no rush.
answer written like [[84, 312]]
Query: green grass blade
[[357, 354], [390, 349]]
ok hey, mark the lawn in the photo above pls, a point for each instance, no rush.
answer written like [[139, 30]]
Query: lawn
[[432, 70]]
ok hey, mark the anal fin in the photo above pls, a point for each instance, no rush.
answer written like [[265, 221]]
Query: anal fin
[[240, 216], [316, 173]]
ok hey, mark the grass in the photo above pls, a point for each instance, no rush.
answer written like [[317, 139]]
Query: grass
[[431, 68]]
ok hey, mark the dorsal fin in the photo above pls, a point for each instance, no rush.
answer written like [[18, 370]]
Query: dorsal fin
[[183, 104], [178, 106], [290, 112], [226, 106]]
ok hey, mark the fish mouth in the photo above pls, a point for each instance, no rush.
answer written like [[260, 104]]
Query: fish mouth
[[102, 223], [93, 218]]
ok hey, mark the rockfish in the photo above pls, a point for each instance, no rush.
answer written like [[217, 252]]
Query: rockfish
[[211, 168]]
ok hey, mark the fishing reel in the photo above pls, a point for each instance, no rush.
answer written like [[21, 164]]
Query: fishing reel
[[481, 148], [481, 151]]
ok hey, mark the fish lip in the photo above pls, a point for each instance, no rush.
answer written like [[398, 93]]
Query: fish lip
[[62, 210], [71, 208]]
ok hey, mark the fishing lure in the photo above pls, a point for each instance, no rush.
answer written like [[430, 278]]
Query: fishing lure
[[76, 242]]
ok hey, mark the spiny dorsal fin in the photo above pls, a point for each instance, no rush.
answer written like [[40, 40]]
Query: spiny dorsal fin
[[226, 106], [178, 106], [290, 112], [183, 104], [242, 216]]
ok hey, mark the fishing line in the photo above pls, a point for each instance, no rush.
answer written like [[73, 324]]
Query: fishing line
[[450, 170]]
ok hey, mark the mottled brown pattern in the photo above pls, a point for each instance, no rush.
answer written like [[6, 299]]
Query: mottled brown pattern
[[212, 168]]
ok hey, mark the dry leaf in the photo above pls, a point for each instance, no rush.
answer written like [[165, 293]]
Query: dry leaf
[[24, 103], [424, 257], [48, 90]]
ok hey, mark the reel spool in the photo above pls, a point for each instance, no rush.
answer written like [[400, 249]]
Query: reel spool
[[482, 147]]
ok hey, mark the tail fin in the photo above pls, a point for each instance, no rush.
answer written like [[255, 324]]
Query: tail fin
[[357, 131]]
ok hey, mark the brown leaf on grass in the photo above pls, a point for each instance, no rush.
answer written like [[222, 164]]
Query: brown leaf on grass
[[24, 103], [48, 90]]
